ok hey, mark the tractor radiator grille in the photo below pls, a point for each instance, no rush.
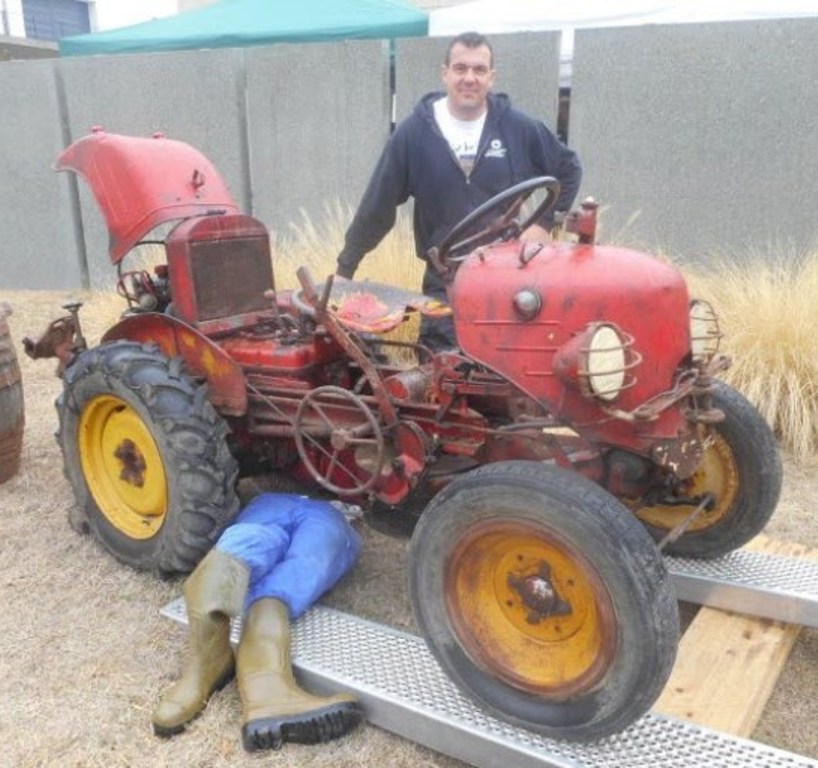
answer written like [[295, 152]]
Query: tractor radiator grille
[[230, 276]]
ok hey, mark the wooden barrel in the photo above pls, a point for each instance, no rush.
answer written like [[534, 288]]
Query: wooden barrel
[[12, 413]]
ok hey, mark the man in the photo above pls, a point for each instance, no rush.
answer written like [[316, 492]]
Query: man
[[279, 556], [455, 151]]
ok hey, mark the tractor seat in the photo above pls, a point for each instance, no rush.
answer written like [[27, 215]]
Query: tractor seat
[[369, 307]]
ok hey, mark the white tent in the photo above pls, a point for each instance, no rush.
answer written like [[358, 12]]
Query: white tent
[[493, 16], [532, 15]]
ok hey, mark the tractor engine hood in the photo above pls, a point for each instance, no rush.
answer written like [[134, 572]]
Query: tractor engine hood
[[140, 183], [522, 310]]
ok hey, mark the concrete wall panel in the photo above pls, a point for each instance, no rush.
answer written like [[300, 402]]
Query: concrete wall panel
[[190, 96], [704, 132], [38, 244], [318, 116]]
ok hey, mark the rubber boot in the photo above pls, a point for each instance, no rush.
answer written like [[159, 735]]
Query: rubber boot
[[274, 708], [214, 594]]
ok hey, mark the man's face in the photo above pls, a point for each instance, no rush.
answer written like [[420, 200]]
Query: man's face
[[468, 77]]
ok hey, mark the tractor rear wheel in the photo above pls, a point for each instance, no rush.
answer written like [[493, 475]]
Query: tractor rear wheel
[[741, 468], [146, 454], [544, 599]]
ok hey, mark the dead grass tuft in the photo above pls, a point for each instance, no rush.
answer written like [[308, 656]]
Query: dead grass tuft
[[769, 315], [317, 244]]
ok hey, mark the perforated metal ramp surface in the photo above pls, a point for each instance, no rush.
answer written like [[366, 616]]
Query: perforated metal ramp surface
[[756, 583], [404, 691]]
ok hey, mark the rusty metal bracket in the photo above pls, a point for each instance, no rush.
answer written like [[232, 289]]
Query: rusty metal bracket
[[340, 334]]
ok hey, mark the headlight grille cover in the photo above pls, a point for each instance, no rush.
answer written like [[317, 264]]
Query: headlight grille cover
[[705, 333]]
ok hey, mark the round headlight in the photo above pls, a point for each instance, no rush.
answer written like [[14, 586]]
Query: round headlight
[[605, 363], [704, 330]]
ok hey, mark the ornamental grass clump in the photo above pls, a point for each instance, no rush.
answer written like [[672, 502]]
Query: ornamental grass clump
[[768, 310], [316, 245]]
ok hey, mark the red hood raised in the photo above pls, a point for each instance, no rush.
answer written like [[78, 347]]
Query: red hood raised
[[140, 183]]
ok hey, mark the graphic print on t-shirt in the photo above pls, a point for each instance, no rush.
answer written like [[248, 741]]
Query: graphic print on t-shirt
[[463, 136]]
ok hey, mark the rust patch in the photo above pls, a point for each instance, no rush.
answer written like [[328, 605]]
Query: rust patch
[[133, 464]]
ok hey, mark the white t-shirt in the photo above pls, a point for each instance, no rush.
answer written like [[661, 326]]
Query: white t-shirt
[[463, 135]]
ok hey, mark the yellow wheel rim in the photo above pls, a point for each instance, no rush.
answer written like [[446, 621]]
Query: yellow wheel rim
[[529, 608], [123, 467], [718, 474]]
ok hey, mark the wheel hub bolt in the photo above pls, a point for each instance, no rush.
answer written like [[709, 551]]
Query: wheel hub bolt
[[538, 594]]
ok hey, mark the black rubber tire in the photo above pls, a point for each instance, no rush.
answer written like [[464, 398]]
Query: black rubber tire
[[760, 473], [610, 539], [189, 435]]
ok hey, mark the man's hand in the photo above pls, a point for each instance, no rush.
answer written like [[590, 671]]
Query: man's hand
[[536, 234]]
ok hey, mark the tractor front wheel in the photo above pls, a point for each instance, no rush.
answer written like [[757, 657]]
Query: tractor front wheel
[[146, 454], [741, 467], [544, 600]]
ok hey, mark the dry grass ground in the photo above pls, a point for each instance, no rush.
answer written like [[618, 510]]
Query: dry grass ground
[[84, 654]]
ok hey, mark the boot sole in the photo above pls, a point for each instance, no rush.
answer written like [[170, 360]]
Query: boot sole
[[166, 731], [316, 727]]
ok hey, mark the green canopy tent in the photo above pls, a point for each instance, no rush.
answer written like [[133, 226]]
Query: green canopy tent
[[238, 23]]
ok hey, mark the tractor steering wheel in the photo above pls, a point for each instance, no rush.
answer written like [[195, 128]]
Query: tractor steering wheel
[[495, 220]]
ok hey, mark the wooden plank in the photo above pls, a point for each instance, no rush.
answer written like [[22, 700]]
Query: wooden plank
[[728, 664]]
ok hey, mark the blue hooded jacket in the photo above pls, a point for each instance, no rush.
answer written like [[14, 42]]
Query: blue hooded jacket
[[418, 162]]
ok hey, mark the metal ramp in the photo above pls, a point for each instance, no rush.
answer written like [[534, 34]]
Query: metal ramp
[[756, 583], [404, 690]]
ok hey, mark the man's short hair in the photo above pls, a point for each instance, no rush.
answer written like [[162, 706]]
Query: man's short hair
[[469, 40]]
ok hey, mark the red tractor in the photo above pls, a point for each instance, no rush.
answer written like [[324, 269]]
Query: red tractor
[[578, 425]]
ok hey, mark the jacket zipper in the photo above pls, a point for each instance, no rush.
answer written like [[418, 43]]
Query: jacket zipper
[[481, 149]]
